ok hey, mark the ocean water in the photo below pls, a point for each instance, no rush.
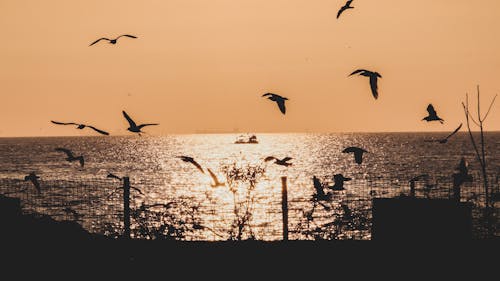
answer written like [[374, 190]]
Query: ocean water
[[153, 168]]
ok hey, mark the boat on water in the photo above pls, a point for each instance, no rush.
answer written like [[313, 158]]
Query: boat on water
[[245, 139]]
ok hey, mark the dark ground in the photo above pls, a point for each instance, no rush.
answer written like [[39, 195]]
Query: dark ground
[[37, 242]]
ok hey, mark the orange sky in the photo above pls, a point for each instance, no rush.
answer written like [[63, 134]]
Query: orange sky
[[203, 65]]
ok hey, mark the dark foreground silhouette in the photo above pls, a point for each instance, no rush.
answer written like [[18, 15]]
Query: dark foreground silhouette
[[39, 241]]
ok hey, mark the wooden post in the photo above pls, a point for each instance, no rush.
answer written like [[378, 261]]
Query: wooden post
[[284, 207], [412, 188], [126, 207]]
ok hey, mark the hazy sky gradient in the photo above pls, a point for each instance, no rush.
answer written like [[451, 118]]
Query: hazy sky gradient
[[203, 65]]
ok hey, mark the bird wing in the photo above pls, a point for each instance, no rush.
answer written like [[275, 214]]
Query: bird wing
[[269, 158], [350, 149], [454, 132], [110, 175], [127, 35], [287, 159], [431, 110], [373, 86], [103, 38], [214, 177], [358, 71], [82, 161], [67, 151], [340, 11], [130, 121], [267, 94], [99, 131], [62, 123], [144, 125], [197, 165], [358, 156], [281, 105], [318, 186]]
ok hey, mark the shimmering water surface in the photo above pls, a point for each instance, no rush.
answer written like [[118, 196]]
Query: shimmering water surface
[[152, 166]]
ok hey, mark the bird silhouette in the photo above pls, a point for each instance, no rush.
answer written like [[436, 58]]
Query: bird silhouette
[[373, 79], [112, 41], [134, 128], [432, 115], [339, 180], [345, 7], [444, 140], [81, 126], [191, 160], [283, 162], [34, 179], [215, 179], [71, 157], [358, 153], [320, 194], [278, 99]]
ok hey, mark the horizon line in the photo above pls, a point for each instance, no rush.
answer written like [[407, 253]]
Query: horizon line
[[250, 133]]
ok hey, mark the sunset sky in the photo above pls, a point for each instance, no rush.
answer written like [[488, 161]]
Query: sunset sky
[[202, 65]]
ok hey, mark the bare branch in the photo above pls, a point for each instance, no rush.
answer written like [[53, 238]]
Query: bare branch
[[478, 107], [489, 108]]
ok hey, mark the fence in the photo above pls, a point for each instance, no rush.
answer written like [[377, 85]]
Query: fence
[[98, 206]]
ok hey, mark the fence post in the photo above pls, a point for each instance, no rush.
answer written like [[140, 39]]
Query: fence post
[[284, 207], [126, 207]]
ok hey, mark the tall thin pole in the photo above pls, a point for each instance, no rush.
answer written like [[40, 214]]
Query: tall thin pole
[[126, 207], [284, 207]]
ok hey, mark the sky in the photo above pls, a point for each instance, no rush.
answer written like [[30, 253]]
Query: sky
[[202, 66]]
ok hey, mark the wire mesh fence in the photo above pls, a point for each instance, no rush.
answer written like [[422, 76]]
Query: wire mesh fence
[[98, 205]]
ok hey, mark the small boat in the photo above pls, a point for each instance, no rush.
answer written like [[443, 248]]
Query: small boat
[[244, 139]]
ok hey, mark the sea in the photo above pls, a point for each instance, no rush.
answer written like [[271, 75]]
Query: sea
[[173, 198]]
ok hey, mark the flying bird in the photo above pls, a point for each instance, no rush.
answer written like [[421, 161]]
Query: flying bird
[[320, 194], [134, 128], [81, 126], [34, 179], [278, 99], [358, 153], [71, 157], [191, 160], [447, 137], [339, 180], [215, 179], [373, 79], [283, 162], [345, 7], [432, 115], [112, 41]]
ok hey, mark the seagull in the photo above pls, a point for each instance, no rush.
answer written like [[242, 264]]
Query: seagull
[[345, 7], [216, 180], [283, 162], [339, 180], [278, 99], [320, 194], [81, 126], [112, 41], [373, 79], [34, 179], [449, 136], [463, 173], [133, 127], [358, 153], [191, 160], [432, 115], [70, 155]]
